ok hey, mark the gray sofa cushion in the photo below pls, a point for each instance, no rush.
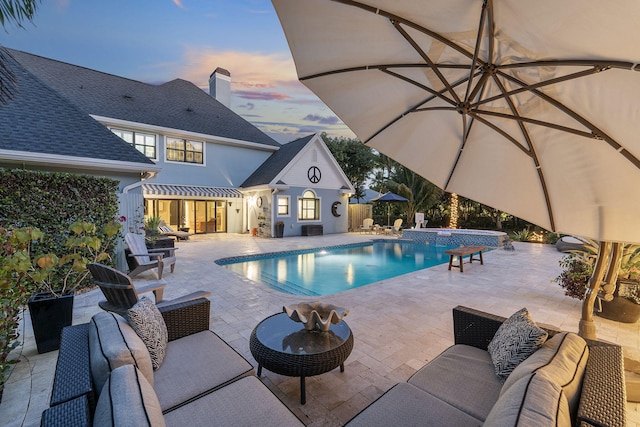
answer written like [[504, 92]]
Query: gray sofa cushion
[[128, 400], [563, 358], [407, 405], [113, 343], [246, 402], [194, 365], [532, 400], [464, 377]]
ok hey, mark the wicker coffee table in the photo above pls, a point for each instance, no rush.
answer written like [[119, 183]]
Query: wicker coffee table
[[285, 347]]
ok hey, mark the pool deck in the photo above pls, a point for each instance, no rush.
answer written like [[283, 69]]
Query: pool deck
[[398, 324]]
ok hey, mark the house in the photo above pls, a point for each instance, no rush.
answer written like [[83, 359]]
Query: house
[[302, 187], [39, 129], [179, 153]]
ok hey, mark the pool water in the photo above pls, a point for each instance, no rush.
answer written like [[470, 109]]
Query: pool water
[[330, 270]]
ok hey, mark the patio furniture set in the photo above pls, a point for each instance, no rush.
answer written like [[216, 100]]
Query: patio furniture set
[[369, 227], [567, 381], [145, 363]]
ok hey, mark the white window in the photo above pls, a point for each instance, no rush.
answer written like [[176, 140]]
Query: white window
[[143, 142], [309, 206], [283, 206]]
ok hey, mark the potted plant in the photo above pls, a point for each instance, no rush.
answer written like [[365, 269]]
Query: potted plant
[[14, 291], [52, 279], [151, 225], [625, 305], [577, 270]]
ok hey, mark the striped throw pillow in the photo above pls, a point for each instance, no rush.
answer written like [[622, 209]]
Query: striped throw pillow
[[516, 339], [147, 321]]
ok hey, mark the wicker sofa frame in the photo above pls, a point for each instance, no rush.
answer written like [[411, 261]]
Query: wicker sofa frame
[[603, 397]]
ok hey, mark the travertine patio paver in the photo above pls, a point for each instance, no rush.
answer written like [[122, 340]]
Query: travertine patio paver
[[399, 324]]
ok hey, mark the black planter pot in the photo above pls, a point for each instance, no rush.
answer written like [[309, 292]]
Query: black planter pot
[[621, 309], [48, 316]]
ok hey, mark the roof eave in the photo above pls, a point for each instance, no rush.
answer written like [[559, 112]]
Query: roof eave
[[73, 162]]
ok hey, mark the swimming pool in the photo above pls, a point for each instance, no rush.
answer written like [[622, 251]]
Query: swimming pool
[[325, 271]]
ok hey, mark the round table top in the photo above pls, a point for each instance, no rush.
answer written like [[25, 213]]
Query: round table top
[[281, 334]]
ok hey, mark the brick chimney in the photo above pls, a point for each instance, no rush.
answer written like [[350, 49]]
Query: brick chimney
[[220, 86]]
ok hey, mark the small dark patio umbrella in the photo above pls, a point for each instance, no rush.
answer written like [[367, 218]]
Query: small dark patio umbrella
[[390, 197]]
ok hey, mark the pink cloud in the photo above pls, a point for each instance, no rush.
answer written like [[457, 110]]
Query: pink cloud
[[260, 96]]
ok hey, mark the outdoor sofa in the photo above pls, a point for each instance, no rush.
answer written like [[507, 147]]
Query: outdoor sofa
[[201, 381], [566, 382]]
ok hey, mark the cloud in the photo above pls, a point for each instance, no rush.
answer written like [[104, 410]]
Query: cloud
[[178, 3], [330, 120], [248, 69], [249, 106], [260, 96]]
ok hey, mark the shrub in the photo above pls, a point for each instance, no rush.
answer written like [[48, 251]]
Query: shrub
[[551, 238], [575, 277], [51, 202], [521, 236]]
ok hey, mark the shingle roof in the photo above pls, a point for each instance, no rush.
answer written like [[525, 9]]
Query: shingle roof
[[276, 162], [38, 120], [177, 104]]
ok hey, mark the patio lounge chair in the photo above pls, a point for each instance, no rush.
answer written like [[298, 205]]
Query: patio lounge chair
[[121, 294], [146, 259], [420, 221], [165, 230], [397, 225], [367, 226]]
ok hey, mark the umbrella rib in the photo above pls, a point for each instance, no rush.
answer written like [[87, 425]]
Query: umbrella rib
[[540, 84], [416, 108], [428, 60], [500, 131], [597, 132], [532, 150], [491, 31], [570, 63], [378, 67], [437, 94], [536, 122], [474, 61], [408, 23], [467, 130]]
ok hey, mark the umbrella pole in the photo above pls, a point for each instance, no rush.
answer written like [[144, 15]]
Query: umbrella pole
[[608, 263]]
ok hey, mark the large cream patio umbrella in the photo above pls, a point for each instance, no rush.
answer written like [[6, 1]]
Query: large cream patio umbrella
[[531, 107]]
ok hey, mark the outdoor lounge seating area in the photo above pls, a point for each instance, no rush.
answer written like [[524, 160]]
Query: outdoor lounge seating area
[[105, 375], [563, 383], [388, 350]]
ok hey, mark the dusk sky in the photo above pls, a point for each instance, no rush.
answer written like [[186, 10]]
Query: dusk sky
[[155, 41]]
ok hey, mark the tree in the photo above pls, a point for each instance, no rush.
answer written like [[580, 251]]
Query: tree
[[422, 194], [17, 12], [356, 160]]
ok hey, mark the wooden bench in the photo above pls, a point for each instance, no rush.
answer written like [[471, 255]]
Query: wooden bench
[[463, 251]]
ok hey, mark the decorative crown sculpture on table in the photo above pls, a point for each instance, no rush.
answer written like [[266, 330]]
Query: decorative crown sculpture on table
[[316, 316]]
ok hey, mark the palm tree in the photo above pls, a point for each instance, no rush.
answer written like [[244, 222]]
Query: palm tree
[[16, 11], [421, 194]]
